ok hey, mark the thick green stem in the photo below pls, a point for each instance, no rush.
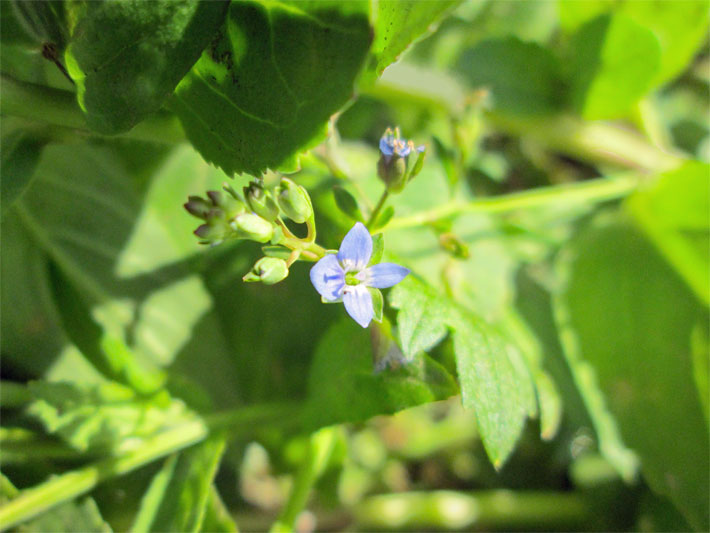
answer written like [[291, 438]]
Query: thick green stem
[[319, 449], [598, 190], [58, 107], [34, 501], [378, 208]]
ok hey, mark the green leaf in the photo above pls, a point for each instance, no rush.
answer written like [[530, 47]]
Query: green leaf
[[383, 218], [523, 78], [614, 60], [265, 89], [178, 496], [79, 515], [400, 23], [100, 417], [107, 354], [217, 518], [378, 302], [21, 151], [494, 380], [343, 385], [378, 248], [632, 319], [119, 260], [681, 27], [127, 57], [43, 22], [347, 203], [675, 214]]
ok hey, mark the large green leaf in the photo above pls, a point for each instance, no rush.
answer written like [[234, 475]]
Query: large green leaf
[[265, 89], [126, 57], [101, 417], [344, 387], [179, 493], [399, 23], [494, 379], [632, 320], [523, 78], [614, 61], [675, 213], [85, 212], [680, 27]]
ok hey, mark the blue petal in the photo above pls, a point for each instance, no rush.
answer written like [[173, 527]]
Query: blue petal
[[403, 149], [383, 275], [356, 248], [328, 278], [386, 144], [358, 304]]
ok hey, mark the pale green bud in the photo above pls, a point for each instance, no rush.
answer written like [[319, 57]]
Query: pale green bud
[[252, 227], [267, 270], [261, 201], [294, 201]]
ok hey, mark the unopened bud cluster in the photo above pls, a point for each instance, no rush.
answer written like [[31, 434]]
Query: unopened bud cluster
[[395, 167], [256, 217]]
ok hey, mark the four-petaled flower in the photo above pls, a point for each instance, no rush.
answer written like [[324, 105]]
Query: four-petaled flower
[[346, 277]]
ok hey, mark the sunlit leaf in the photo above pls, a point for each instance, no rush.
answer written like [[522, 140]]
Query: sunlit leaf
[[614, 61], [127, 57], [494, 381], [264, 90], [178, 496]]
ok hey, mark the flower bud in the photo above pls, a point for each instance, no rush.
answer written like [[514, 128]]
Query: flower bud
[[252, 227], [294, 201], [393, 171], [268, 270], [227, 203], [260, 201], [198, 207], [213, 232]]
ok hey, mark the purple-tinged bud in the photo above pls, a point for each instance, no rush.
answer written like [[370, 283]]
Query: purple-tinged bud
[[197, 207], [260, 201]]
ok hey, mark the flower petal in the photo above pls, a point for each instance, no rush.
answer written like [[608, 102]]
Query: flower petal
[[358, 304], [383, 275], [386, 144], [356, 248], [328, 278]]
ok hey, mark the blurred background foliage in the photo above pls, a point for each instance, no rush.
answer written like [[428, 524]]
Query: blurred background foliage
[[563, 205]]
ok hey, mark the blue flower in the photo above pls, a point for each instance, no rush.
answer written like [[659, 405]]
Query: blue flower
[[346, 277], [391, 144]]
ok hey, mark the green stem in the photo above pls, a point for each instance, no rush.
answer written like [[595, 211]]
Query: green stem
[[598, 190], [378, 208], [320, 447], [58, 107], [34, 501], [497, 510]]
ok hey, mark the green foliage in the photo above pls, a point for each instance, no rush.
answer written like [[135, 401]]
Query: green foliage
[[523, 78], [494, 380], [399, 23], [674, 214], [79, 515], [127, 57], [618, 298], [233, 121], [100, 417], [344, 388], [178, 496], [680, 27], [614, 61], [554, 323]]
